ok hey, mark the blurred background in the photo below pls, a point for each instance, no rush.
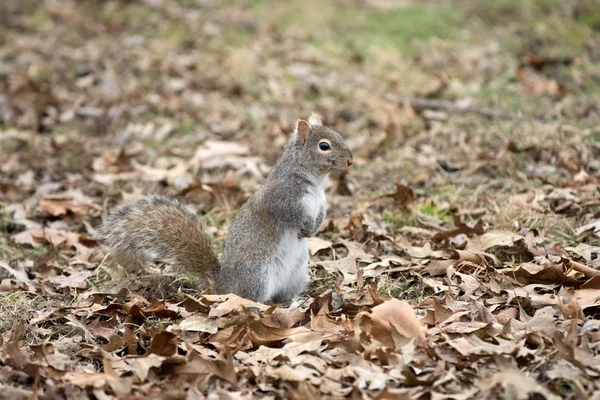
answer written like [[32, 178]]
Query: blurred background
[[463, 116], [459, 100]]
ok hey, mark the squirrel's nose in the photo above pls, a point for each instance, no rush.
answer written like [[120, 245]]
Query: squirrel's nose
[[350, 161]]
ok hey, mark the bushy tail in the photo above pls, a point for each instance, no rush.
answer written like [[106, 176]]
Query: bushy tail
[[159, 228]]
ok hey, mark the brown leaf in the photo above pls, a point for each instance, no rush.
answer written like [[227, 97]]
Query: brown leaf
[[164, 344], [199, 323], [536, 84], [528, 273], [283, 318], [77, 280], [404, 196], [587, 298], [461, 228], [347, 265], [231, 302], [197, 365], [394, 323], [571, 310], [87, 379], [316, 244], [142, 365]]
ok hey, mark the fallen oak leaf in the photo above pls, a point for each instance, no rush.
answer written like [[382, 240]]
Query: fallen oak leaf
[[590, 228], [394, 323], [100, 331], [387, 265], [585, 251], [283, 318], [593, 283], [299, 373], [10, 285], [57, 208], [347, 265], [141, 365], [19, 275], [587, 298], [460, 227], [198, 323], [519, 385], [77, 280], [536, 84], [472, 345], [505, 315], [86, 379], [521, 200], [197, 365], [316, 244], [38, 237], [164, 344], [229, 303], [577, 356], [438, 267], [422, 252], [404, 196], [494, 238], [528, 273]]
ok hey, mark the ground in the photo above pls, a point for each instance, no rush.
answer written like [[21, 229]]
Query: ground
[[460, 258]]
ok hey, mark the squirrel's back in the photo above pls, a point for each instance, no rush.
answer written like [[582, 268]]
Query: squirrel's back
[[159, 228]]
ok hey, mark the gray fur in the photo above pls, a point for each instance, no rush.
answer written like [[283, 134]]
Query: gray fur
[[266, 251], [276, 207], [159, 228]]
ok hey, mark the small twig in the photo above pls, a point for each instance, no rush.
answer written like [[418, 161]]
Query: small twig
[[420, 104]]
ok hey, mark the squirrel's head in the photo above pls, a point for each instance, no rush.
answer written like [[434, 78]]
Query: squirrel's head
[[324, 147]]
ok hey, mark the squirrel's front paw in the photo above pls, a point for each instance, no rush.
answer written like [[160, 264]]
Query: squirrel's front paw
[[303, 234]]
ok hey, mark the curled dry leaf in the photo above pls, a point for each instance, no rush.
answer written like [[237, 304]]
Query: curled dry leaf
[[529, 273], [394, 323], [404, 196]]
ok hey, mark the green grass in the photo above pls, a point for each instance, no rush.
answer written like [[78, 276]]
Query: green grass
[[432, 209], [401, 288], [360, 29], [153, 322], [594, 136], [398, 219], [218, 244], [398, 28], [545, 25]]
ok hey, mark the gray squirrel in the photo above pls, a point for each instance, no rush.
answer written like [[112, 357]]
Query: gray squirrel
[[266, 253]]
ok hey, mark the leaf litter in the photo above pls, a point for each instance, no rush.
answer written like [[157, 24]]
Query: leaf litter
[[460, 258]]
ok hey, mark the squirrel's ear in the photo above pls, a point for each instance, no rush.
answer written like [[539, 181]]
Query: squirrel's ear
[[302, 130], [315, 119]]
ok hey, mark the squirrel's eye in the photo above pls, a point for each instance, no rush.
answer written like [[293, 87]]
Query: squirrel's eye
[[324, 146]]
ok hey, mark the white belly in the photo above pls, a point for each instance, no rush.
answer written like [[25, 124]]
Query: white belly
[[290, 251], [315, 199]]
